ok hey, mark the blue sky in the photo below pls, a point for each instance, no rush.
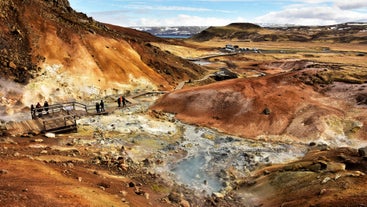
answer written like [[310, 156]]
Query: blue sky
[[130, 13]]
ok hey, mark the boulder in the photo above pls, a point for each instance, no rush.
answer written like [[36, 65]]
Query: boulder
[[50, 135], [139, 191], [37, 140], [266, 111], [2, 172], [362, 151], [12, 65], [224, 74], [174, 197], [184, 203], [315, 167], [131, 184], [217, 195], [335, 167]]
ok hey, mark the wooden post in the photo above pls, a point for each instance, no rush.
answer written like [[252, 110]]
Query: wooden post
[[44, 125], [74, 121]]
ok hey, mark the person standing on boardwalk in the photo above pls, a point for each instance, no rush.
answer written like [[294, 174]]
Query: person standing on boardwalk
[[123, 99], [33, 112], [39, 109], [45, 106], [119, 101], [97, 107], [101, 104]]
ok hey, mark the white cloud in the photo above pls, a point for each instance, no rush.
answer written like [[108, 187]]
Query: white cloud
[[123, 19], [311, 16], [174, 8], [271, 1], [355, 4], [313, 1], [300, 12], [168, 8], [186, 20]]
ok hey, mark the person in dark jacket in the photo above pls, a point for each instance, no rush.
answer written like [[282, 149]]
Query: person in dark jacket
[[39, 109], [119, 101], [123, 101], [45, 106], [33, 112], [97, 107], [101, 104]]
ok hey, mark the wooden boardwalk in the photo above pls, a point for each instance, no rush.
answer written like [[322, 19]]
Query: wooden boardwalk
[[61, 117]]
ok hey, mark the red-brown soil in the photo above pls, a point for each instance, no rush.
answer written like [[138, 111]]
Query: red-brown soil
[[40, 33], [239, 106], [323, 177], [58, 54], [53, 174]]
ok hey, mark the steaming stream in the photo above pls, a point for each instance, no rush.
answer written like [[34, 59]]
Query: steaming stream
[[211, 155], [199, 158]]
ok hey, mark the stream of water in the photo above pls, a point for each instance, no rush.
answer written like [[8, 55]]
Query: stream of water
[[212, 158], [208, 159]]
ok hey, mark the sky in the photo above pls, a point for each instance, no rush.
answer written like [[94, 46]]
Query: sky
[[129, 13]]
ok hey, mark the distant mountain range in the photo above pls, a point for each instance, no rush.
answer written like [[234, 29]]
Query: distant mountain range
[[351, 32], [179, 31], [201, 32]]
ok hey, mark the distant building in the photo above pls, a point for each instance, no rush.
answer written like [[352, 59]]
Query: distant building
[[229, 48]]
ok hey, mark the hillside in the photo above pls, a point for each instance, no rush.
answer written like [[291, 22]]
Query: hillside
[[341, 33], [56, 54], [299, 99], [289, 100]]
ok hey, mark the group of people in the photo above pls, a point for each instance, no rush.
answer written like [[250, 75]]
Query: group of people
[[38, 109], [121, 102], [100, 107]]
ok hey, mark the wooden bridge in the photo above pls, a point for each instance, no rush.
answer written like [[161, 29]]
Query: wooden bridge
[[61, 117], [56, 118]]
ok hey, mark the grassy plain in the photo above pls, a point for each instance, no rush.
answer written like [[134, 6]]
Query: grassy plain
[[322, 52], [335, 53]]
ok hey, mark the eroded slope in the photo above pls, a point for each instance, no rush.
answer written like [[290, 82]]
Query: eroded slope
[[58, 54], [280, 104]]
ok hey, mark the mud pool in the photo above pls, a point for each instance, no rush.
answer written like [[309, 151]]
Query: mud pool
[[198, 158]]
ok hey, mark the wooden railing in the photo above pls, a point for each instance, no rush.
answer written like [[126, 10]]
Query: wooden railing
[[59, 116], [57, 108], [37, 112]]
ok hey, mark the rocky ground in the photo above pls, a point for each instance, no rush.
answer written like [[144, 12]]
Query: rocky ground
[[323, 177], [129, 158], [306, 141], [316, 106], [291, 130], [108, 162], [139, 157]]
